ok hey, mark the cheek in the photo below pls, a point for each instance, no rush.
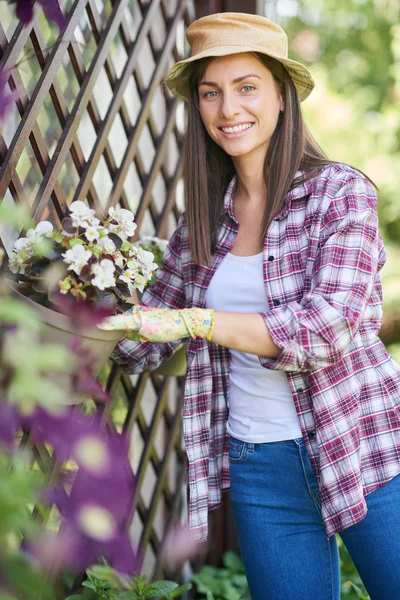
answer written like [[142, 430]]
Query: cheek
[[208, 119]]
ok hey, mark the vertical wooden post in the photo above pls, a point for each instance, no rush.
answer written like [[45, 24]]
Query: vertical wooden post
[[207, 7]]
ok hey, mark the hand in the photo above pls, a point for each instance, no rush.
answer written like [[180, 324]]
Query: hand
[[162, 324]]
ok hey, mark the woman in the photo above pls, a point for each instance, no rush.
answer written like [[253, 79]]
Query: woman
[[273, 275]]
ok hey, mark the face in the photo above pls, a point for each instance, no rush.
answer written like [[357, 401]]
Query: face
[[239, 103]]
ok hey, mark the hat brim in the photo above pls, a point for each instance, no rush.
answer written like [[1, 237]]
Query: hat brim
[[177, 80]]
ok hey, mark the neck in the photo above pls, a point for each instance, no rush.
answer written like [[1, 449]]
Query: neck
[[250, 177]]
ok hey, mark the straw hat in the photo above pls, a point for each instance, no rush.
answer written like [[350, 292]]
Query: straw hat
[[221, 34]]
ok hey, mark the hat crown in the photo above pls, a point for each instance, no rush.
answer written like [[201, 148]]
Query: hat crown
[[226, 29]]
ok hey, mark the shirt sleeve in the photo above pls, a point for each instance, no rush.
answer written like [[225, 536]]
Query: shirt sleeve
[[317, 331], [167, 292]]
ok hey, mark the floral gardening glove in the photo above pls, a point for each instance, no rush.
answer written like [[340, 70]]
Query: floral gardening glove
[[144, 323]]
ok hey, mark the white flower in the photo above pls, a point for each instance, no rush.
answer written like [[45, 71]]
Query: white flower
[[140, 282], [21, 244], [91, 233], [15, 262], [43, 227], [125, 227], [107, 245], [147, 258], [95, 222], [118, 260], [81, 214], [105, 265], [161, 243], [128, 276], [103, 274], [77, 257]]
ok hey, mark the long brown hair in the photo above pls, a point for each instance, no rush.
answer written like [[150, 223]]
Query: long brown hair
[[208, 168]]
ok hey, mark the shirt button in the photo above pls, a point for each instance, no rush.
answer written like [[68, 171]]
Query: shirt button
[[271, 258], [300, 390], [276, 302], [311, 435]]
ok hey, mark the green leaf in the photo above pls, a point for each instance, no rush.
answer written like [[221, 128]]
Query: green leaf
[[13, 311], [79, 597], [233, 562], [16, 215], [57, 237], [180, 590], [75, 242], [163, 586]]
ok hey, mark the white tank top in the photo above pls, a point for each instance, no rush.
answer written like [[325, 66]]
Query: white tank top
[[261, 407]]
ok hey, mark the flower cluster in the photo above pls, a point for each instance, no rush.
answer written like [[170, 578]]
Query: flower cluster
[[96, 255]]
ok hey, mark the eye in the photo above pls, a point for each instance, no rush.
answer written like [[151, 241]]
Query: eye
[[248, 88], [210, 94]]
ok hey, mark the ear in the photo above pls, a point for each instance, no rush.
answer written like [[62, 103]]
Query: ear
[[281, 104]]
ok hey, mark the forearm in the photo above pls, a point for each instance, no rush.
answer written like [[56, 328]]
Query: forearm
[[239, 331], [244, 332]]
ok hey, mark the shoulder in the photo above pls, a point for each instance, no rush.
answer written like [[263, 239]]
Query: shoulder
[[338, 192]]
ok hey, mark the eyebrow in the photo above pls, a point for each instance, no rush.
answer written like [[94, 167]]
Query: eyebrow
[[237, 80]]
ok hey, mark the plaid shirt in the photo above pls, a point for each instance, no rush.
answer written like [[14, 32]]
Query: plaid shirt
[[322, 257]]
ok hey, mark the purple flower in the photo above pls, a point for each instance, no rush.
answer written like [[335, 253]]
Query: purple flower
[[180, 546], [82, 313], [51, 8], [97, 450], [84, 379], [94, 516], [7, 98], [9, 424]]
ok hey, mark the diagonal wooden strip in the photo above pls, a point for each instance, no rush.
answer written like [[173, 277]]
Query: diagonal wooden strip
[[162, 222], [160, 151]]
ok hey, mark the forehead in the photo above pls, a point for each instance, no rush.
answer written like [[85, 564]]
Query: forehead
[[235, 65]]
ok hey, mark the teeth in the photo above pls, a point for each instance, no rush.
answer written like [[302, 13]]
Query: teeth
[[236, 128]]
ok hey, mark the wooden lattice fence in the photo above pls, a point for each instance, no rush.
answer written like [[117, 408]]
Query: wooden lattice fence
[[93, 123]]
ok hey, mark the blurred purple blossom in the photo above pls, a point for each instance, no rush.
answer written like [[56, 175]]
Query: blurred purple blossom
[[9, 423], [82, 313], [84, 380], [7, 97], [94, 517], [180, 546], [97, 450], [51, 8]]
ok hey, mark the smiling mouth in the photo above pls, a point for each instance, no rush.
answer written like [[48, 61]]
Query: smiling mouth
[[237, 128]]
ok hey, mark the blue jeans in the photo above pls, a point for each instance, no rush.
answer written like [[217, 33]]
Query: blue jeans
[[281, 534]]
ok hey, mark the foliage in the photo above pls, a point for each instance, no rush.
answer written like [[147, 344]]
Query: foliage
[[109, 584], [226, 583], [229, 582], [353, 51]]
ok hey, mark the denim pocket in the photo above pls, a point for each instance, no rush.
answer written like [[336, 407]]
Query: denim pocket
[[237, 450]]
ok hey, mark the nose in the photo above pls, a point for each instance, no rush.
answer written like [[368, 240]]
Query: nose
[[229, 105]]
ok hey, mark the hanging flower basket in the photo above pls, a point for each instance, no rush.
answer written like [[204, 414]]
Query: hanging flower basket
[[92, 343]]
